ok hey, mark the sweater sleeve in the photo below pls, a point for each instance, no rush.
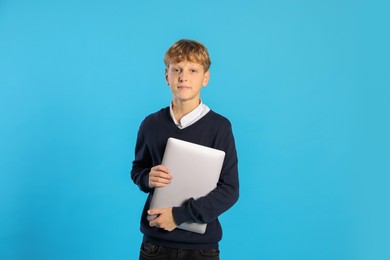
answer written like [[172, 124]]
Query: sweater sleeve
[[206, 209], [142, 162]]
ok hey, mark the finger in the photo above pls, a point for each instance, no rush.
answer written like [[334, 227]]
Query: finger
[[155, 211], [153, 224], [161, 174], [158, 183], [161, 168], [160, 180]]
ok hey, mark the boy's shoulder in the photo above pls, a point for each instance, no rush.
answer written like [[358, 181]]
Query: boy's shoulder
[[157, 116], [219, 119]]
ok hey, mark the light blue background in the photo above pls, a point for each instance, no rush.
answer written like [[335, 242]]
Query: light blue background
[[304, 83]]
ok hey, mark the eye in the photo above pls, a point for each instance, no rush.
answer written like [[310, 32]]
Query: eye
[[175, 69], [193, 71]]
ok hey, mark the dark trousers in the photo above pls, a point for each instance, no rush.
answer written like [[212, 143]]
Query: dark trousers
[[151, 251]]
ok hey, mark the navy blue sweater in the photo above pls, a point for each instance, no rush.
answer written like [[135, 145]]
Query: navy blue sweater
[[212, 130]]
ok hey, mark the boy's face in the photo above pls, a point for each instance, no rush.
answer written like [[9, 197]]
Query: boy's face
[[186, 79]]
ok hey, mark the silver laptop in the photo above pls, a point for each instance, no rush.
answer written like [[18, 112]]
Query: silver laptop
[[195, 170]]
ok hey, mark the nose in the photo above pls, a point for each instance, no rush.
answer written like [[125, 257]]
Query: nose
[[182, 76]]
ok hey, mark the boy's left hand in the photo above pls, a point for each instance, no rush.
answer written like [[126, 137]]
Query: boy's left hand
[[164, 220]]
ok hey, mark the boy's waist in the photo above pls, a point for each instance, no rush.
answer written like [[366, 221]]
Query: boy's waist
[[177, 244], [183, 239]]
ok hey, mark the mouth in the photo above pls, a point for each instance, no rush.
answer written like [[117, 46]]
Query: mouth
[[183, 87]]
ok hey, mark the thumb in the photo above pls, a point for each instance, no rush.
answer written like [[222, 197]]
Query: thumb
[[154, 211]]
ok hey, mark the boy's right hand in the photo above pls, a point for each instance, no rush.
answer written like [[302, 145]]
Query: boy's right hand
[[159, 176]]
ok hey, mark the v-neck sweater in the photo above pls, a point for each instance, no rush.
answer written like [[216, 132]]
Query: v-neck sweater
[[212, 130]]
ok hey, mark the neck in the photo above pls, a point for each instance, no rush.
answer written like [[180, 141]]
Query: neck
[[181, 108]]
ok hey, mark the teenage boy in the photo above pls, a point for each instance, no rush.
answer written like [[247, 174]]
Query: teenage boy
[[187, 118]]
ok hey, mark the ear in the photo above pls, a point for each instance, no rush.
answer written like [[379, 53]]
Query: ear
[[206, 78], [166, 76]]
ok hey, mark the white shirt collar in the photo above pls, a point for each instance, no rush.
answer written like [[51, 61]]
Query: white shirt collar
[[191, 117]]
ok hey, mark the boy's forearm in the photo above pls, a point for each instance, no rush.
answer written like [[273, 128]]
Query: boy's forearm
[[140, 176], [208, 208]]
